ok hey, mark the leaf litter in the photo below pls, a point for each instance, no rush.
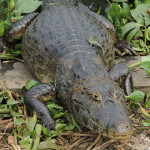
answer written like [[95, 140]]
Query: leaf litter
[[15, 133]]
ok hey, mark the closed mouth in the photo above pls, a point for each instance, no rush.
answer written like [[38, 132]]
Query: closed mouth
[[117, 136]]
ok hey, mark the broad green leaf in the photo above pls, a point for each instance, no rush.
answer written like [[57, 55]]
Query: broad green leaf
[[147, 104], [132, 33], [12, 102], [126, 10], [22, 99], [11, 5], [49, 145], [58, 115], [130, 26], [17, 15], [60, 127], [142, 43], [30, 83], [146, 123], [146, 66], [31, 124], [19, 121], [1, 99], [114, 12], [94, 41], [45, 130], [2, 28], [8, 22], [136, 96], [138, 49], [145, 63], [140, 11], [69, 118], [137, 2], [145, 58], [26, 133], [1, 1], [27, 6], [54, 105], [18, 47], [69, 127], [147, 21], [146, 1], [139, 34], [26, 143]]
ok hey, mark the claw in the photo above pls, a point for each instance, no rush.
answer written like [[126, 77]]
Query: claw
[[50, 126], [128, 84], [48, 122], [125, 47]]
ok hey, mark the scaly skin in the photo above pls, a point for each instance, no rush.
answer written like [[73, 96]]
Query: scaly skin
[[56, 50]]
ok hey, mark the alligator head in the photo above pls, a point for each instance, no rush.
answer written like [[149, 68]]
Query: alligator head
[[102, 108]]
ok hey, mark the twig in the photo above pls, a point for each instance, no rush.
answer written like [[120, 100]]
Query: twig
[[1, 134], [9, 93], [130, 146], [15, 95], [4, 88], [78, 134], [103, 146], [98, 143], [76, 143], [5, 121], [96, 140], [6, 129]]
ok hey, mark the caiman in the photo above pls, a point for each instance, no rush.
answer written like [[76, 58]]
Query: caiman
[[74, 50]]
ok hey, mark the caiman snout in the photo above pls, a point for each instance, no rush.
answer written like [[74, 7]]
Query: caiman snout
[[105, 112], [123, 127], [121, 130]]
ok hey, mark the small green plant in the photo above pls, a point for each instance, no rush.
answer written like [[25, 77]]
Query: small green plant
[[137, 99], [132, 23], [14, 54], [27, 130], [12, 10]]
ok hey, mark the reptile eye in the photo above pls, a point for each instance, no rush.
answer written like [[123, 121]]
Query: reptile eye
[[96, 96]]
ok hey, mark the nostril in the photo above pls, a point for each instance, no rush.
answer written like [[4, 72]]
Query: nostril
[[123, 127]]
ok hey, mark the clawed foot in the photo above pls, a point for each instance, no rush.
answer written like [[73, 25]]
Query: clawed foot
[[123, 46], [48, 122], [50, 126], [120, 73]]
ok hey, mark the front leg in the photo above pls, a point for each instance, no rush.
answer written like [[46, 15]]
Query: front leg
[[17, 30], [33, 103], [120, 73]]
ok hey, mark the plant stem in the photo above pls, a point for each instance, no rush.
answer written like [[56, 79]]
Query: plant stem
[[36, 142], [134, 65], [109, 3], [5, 111]]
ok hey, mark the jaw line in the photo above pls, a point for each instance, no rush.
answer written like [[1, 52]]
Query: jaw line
[[114, 135], [117, 136]]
